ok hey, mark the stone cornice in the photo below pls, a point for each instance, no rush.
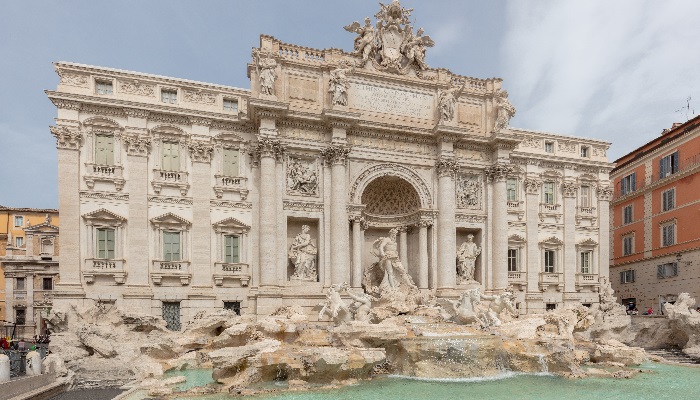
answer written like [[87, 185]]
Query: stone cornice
[[555, 162], [340, 118], [263, 108]]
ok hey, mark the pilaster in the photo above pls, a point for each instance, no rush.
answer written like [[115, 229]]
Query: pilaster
[[532, 190], [496, 175], [201, 152], [605, 194], [138, 146], [570, 255]]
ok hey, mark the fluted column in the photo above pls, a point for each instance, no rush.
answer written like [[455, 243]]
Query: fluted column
[[423, 254], [358, 238], [532, 188], [268, 150], [336, 155], [569, 269], [446, 230], [497, 174], [604, 193], [403, 246]]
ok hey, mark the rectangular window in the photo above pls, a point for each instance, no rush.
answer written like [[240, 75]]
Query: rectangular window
[[667, 270], [19, 241], [19, 221], [549, 265], [668, 165], [627, 276], [512, 189], [586, 257], [20, 316], [171, 246], [627, 245], [231, 249], [19, 283], [512, 260], [168, 96], [171, 315], [549, 147], [104, 149], [548, 192], [668, 199], [668, 235], [627, 214], [550, 306], [231, 162], [231, 105], [105, 243], [47, 284], [584, 151], [171, 156], [585, 196], [234, 306], [628, 184], [103, 87]]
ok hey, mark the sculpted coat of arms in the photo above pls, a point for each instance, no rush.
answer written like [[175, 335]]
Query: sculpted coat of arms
[[391, 45]]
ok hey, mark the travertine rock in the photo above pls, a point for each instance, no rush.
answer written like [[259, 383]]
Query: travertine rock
[[614, 351], [229, 361], [685, 321]]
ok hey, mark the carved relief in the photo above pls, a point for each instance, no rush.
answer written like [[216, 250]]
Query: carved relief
[[469, 192], [302, 176], [199, 97], [170, 200], [605, 193], [66, 104], [136, 113], [569, 188], [474, 219], [499, 171], [138, 88], [390, 195], [505, 110], [532, 186], [446, 167], [598, 151], [302, 206], [137, 145], [567, 147], [388, 169], [103, 195], [531, 142], [73, 79], [266, 66], [67, 138], [200, 151], [335, 154], [101, 110]]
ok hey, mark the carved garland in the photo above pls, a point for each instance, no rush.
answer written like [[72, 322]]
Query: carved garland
[[532, 186], [200, 151], [605, 193], [137, 145]]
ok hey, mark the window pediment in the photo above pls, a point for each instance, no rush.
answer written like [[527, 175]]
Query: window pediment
[[229, 138], [169, 131], [589, 242], [102, 124], [230, 225], [170, 220], [516, 240], [551, 242], [103, 217]]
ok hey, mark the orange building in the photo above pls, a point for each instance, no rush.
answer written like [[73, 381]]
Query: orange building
[[28, 267], [655, 219]]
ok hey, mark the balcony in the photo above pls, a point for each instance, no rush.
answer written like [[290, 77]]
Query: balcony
[[20, 295], [554, 279], [587, 280], [517, 278], [104, 267], [237, 271], [550, 210], [171, 269], [589, 213], [103, 173], [230, 184], [175, 179], [516, 207]]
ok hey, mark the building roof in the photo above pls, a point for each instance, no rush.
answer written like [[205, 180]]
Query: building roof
[[26, 209]]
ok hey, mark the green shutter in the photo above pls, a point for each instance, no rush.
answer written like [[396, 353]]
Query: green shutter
[[101, 238]]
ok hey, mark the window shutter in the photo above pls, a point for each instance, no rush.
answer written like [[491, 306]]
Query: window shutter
[[662, 170], [660, 271], [109, 233], [109, 150], [634, 181], [674, 159], [622, 276], [675, 269], [671, 199], [101, 246], [176, 246], [235, 245]]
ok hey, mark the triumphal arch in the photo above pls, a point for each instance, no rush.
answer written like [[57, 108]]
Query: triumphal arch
[[179, 196]]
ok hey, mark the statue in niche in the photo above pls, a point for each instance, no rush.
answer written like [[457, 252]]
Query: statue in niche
[[503, 301], [506, 111], [446, 103], [389, 263], [414, 47], [302, 253], [468, 193], [302, 179], [267, 73], [466, 255], [365, 42], [338, 83]]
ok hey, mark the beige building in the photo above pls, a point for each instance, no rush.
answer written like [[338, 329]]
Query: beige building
[[180, 196]]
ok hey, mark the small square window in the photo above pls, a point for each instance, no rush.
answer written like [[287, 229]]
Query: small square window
[[549, 147], [667, 270], [550, 306], [47, 283], [103, 87], [627, 276], [20, 316], [19, 283], [19, 241], [231, 105], [19, 221], [168, 96], [585, 151]]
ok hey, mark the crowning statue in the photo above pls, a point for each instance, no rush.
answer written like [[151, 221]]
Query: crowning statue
[[366, 41], [446, 102], [302, 253], [466, 255], [338, 84], [266, 67], [506, 111]]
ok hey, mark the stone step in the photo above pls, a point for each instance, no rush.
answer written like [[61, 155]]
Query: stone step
[[674, 354]]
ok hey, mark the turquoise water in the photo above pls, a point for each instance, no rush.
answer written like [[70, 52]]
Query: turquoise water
[[659, 381], [195, 377]]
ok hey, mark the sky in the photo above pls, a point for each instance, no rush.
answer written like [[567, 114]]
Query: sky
[[619, 71]]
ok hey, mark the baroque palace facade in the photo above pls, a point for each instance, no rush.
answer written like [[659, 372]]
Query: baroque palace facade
[[178, 196]]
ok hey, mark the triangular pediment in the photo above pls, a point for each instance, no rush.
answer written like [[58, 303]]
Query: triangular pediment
[[43, 227], [588, 242], [103, 215], [229, 223], [516, 239], [170, 219]]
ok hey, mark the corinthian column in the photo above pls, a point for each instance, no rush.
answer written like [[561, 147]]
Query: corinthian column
[[268, 150], [358, 239], [336, 156], [496, 175], [423, 254], [446, 231]]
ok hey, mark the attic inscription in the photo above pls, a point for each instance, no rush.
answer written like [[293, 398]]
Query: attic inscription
[[391, 101]]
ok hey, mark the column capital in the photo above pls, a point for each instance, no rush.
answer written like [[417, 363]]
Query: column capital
[[532, 186], [446, 166], [336, 154], [424, 223], [499, 171], [67, 138], [200, 150], [605, 193], [267, 147], [137, 145], [569, 188]]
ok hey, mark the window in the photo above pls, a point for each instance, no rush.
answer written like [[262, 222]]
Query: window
[[103, 87], [548, 192], [512, 189], [667, 270], [549, 265], [627, 276], [104, 150], [171, 156], [232, 249], [19, 283], [627, 215], [231, 162], [668, 165], [231, 105], [549, 147], [585, 194], [512, 260], [19, 221], [586, 259], [171, 315], [550, 306], [168, 96], [668, 234], [19, 241], [234, 306], [20, 316], [628, 184], [105, 243], [668, 199], [584, 151], [171, 246], [627, 245], [47, 284]]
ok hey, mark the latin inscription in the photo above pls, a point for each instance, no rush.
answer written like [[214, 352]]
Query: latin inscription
[[391, 101]]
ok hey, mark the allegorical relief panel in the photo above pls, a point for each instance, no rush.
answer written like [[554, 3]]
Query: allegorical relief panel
[[469, 192], [302, 88], [302, 176], [391, 101]]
